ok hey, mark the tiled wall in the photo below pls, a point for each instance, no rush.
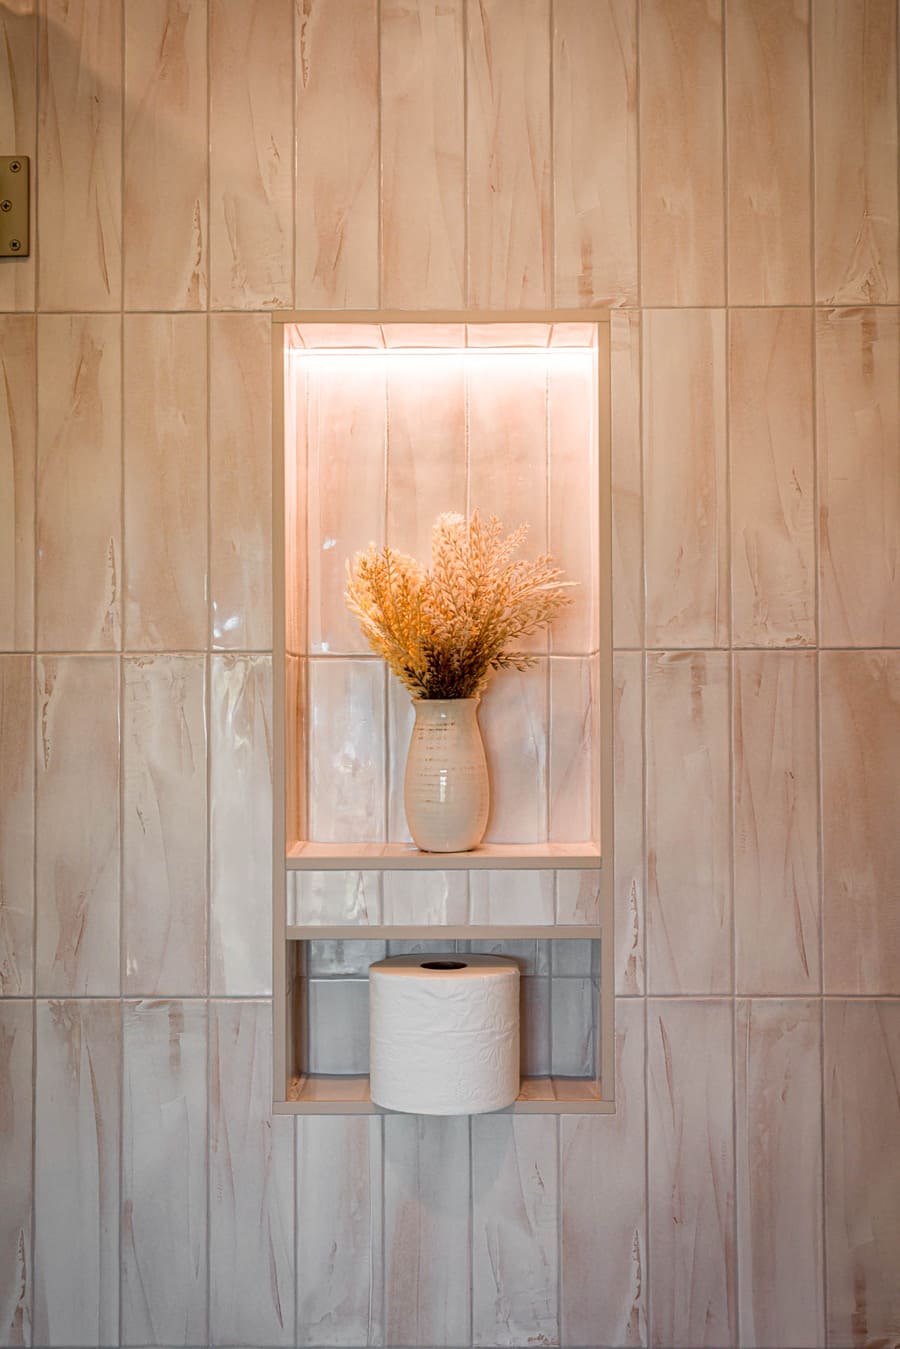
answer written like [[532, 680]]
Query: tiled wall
[[724, 172]]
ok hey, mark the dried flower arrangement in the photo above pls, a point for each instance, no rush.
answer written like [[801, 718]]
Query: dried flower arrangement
[[444, 630]]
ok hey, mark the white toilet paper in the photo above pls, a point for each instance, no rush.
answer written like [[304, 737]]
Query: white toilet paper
[[444, 1033]]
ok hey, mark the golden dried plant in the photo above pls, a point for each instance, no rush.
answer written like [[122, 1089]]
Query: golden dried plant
[[444, 630]]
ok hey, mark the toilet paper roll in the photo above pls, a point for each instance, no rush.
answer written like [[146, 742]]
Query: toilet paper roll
[[444, 1033]]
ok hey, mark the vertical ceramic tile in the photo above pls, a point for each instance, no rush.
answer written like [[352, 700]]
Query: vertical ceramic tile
[[534, 1026], [574, 1004], [79, 483], [164, 825], [682, 216], [515, 1240], [339, 1227], [423, 190], [770, 396], [166, 143], [627, 486], [628, 796], [17, 466], [578, 897], [509, 898], [250, 169], [513, 718], [862, 1178], [855, 121], [240, 480], [346, 486], [426, 406], [778, 1089], [691, 1177], [165, 482], [338, 1025], [858, 425], [604, 1301], [685, 512], [346, 750], [18, 118], [860, 803], [16, 1142], [426, 1230], [79, 155], [776, 793], [164, 1185], [595, 152], [16, 824], [426, 897], [510, 205], [769, 150], [334, 897], [240, 844], [251, 1181], [688, 826], [77, 825], [76, 1200], [571, 749], [573, 486], [336, 202]]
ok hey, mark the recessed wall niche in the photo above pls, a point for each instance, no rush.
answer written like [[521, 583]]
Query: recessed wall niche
[[383, 421]]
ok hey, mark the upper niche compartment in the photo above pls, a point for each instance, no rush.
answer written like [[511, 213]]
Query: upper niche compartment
[[387, 425]]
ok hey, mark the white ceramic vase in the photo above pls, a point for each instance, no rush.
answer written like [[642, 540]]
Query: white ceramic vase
[[446, 792]]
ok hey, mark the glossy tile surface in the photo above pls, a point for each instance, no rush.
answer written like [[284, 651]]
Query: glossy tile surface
[[595, 152], [855, 123], [862, 1179], [770, 396], [508, 154], [17, 470], [346, 750], [691, 1176], [688, 834], [685, 512], [858, 426], [165, 374], [251, 1179], [164, 1187], [339, 1231], [240, 481], [768, 131], [17, 766], [166, 145], [627, 480], [164, 841], [77, 826], [250, 170], [79, 483], [779, 1172], [16, 1290], [776, 848], [423, 198], [77, 1138], [79, 161], [628, 734], [860, 802], [682, 218]]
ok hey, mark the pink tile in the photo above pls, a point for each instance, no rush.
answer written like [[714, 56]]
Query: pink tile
[[572, 751], [250, 171], [627, 482], [17, 763], [595, 152], [860, 716], [508, 148], [346, 750], [573, 488], [426, 402], [513, 719], [79, 483], [628, 758], [16, 1291], [779, 1173], [693, 1294], [18, 413], [423, 189]]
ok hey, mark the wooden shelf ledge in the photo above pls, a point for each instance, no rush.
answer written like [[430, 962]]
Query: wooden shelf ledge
[[307, 856], [322, 1095], [443, 932]]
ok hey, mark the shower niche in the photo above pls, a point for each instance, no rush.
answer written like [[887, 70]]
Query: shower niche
[[382, 422]]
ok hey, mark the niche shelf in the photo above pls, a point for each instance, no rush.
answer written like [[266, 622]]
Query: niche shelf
[[382, 420]]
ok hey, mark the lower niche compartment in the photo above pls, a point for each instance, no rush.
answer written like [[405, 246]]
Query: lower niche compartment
[[559, 1017]]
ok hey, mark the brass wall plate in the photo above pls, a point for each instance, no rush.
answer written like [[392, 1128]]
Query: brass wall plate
[[15, 241]]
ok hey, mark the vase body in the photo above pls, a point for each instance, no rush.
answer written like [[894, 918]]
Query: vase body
[[445, 792]]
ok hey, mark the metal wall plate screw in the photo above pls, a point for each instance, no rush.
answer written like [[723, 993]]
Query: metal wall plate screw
[[15, 166], [15, 245], [5, 204]]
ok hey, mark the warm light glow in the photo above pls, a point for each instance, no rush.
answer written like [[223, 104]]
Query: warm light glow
[[469, 353]]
